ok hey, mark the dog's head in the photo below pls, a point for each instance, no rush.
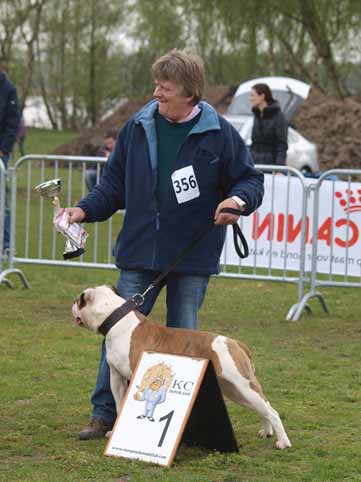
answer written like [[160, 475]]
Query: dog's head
[[94, 305]]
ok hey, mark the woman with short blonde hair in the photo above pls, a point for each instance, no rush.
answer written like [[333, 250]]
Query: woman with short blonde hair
[[184, 68]]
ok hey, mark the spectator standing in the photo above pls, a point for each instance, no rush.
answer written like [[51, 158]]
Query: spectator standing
[[21, 136], [91, 175], [270, 128], [9, 125], [175, 165]]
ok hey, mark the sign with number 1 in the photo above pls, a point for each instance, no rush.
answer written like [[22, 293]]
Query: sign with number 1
[[156, 408]]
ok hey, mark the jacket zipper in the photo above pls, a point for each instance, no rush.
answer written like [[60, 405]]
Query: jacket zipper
[[157, 216], [157, 228], [157, 221]]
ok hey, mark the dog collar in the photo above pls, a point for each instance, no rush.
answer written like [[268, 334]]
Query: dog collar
[[130, 305]]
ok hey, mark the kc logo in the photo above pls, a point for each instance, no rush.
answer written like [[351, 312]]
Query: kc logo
[[182, 385], [350, 200]]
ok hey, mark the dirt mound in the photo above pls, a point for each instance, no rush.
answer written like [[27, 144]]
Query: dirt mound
[[90, 140], [334, 126]]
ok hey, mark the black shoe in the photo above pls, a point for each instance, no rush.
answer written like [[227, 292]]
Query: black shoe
[[97, 428], [141, 416], [151, 419]]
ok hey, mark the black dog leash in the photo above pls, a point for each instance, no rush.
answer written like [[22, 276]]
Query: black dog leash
[[138, 299]]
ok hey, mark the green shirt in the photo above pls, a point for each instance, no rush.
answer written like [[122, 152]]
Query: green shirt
[[170, 137]]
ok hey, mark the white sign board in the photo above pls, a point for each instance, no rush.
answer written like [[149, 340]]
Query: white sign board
[[273, 233], [156, 408]]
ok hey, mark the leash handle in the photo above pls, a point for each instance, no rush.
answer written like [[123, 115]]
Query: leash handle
[[242, 248]]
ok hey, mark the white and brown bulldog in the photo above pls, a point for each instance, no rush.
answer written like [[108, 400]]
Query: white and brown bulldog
[[135, 333]]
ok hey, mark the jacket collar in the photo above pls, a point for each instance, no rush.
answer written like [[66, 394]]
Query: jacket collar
[[208, 119], [268, 111]]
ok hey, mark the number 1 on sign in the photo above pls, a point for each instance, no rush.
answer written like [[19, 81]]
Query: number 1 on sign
[[167, 417]]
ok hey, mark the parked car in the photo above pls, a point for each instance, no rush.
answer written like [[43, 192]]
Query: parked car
[[290, 93]]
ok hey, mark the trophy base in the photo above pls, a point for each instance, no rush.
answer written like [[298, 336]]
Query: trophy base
[[73, 254]]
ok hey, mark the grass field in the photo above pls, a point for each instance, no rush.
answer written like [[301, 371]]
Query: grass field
[[310, 371], [43, 141]]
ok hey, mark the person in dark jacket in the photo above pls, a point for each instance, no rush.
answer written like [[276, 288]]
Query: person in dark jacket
[[20, 136], [270, 128], [92, 174], [175, 165], [9, 125]]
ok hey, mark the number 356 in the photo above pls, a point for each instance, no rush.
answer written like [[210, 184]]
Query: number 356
[[184, 184]]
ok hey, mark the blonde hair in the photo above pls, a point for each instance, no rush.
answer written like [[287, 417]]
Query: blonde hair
[[160, 372], [184, 68]]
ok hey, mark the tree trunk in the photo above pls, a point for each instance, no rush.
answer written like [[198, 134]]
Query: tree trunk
[[75, 66], [317, 32], [92, 71], [44, 93], [30, 42], [62, 73]]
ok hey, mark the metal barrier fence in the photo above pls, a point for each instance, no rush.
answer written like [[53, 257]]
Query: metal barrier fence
[[277, 234], [340, 254], [32, 214], [35, 241], [4, 273], [2, 211], [269, 259]]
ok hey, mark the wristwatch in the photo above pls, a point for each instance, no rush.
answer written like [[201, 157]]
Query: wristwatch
[[240, 202]]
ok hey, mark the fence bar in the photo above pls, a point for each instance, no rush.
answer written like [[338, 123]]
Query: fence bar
[[352, 203], [2, 212], [4, 273], [268, 271], [282, 223]]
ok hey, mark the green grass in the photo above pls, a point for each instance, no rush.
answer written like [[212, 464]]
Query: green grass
[[310, 371], [43, 141]]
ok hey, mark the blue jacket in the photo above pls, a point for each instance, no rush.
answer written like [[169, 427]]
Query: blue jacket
[[9, 114], [152, 236]]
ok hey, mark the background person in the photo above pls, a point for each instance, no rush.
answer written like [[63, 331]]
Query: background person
[[270, 128], [175, 165], [20, 137], [91, 174], [9, 125]]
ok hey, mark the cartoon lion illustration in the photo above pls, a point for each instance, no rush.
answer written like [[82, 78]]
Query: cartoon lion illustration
[[153, 388]]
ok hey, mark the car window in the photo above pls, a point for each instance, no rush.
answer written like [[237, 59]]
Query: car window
[[288, 101]]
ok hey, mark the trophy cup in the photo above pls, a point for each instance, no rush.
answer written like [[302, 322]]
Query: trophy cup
[[75, 235]]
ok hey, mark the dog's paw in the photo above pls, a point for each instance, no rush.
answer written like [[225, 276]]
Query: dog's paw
[[264, 433], [283, 444]]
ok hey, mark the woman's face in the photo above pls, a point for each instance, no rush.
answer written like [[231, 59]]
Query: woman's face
[[256, 100]]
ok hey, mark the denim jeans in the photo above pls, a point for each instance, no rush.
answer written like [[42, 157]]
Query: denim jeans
[[6, 234], [91, 178], [185, 294]]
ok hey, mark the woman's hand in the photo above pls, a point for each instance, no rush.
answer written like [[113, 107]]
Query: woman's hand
[[225, 218], [75, 215]]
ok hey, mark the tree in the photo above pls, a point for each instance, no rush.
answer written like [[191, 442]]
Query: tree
[[20, 27], [74, 71]]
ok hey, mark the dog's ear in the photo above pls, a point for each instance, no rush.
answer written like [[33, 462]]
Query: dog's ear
[[86, 296]]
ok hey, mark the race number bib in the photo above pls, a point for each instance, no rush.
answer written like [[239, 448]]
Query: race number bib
[[185, 184]]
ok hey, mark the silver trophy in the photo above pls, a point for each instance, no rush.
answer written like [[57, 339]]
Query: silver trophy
[[75, 235]]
